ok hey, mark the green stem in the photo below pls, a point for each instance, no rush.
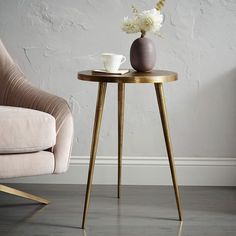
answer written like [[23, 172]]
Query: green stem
[[143, 33]]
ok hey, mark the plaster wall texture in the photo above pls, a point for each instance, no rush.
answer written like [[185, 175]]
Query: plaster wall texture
[[53, 40]]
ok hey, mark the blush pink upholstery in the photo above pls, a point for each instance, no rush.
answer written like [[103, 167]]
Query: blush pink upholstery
[[26, 164], [16, 91], [25, 130]]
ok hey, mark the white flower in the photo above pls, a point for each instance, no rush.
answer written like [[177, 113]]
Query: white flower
[[150, 20], [145, 21], [130, 25]]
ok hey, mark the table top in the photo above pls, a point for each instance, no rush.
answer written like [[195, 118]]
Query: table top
[[155, 76]]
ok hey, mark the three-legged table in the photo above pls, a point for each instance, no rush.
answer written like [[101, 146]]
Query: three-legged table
[[157, 77]]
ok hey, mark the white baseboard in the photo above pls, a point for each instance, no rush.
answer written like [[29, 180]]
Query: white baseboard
[[201, 171]]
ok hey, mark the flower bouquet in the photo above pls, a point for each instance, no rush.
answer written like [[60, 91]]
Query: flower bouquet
[[142, 52]]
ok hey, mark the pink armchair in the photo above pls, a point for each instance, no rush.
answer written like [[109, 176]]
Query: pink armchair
[[36, 128]]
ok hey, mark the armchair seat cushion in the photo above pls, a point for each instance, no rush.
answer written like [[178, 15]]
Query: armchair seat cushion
[[25, 130]]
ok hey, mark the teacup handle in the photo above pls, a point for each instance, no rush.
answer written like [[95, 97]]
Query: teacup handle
[[123, 59]]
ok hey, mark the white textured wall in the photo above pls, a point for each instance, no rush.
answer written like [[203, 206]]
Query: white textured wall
[[53, 40]]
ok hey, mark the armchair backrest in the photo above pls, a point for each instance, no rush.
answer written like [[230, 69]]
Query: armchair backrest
[[5, 60], [8, 71]]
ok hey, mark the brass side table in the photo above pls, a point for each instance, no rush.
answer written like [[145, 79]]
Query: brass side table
[[156, 77]]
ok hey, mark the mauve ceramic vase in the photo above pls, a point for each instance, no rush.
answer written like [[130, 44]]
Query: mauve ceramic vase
[[143, 54]]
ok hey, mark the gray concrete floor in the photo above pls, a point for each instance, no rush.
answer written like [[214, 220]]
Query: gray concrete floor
[[141, 211]]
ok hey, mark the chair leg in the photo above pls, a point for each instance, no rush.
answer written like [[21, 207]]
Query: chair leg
[[19, 193]]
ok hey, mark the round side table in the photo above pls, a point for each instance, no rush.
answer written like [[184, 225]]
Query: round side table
[[156, 77]]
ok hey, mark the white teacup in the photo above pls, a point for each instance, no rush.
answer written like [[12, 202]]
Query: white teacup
[[112, 61]]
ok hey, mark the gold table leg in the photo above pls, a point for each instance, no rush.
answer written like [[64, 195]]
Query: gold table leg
[[165, 126], [121, 104], [96, 130], [19, 193]]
